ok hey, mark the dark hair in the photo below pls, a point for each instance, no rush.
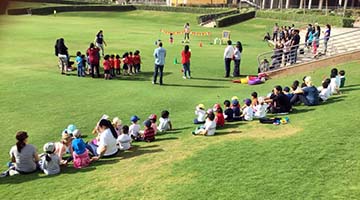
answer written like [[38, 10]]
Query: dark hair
[[125, 129], [186, 48], [126, 54], [239, 46], [137, 52], [107, 124], [342, 72], [334, 72], [254, 94], [112, 56], [227, 103], [82, 56], [328, 26], [117, 56], [286, 89], [100, 32], [160, 44], [106, 57], [303, 85], [211, 116], [229, 42], [165, 114], [78, 53], [92, 45], [21, 137], [278, 88], [327, 81], [130, 52], [325, 84], [295, 85]]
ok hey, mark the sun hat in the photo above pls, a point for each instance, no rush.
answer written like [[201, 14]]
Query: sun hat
[[116, 120], [134, 118], [147, 123], [77, 133], [49, 147], [71, 128], [202, 106], [234, 97], [153, 116]]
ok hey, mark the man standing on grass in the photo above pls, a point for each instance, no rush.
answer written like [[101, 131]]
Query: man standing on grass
[[228, 56], [159, 55]]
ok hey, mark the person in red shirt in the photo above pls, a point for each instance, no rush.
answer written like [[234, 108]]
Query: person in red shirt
[[219, 119], [94, 59], [185, 60], [149, 133], [107, 67], [131, 62], [117, 63], [126, 63], [137, 61], [112, 65]]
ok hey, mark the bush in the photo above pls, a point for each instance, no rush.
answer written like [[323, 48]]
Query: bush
[[290, 16], [234, 19], [348, 22], [50, 10], [213, 16], [70, 2], [179, 9]]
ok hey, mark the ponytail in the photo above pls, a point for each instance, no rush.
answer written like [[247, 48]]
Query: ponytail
[[107, 123], [21, 137]]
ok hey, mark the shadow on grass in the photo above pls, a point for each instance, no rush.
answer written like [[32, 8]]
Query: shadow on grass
[[229, 128], [193, 86], [211, 79], [138, 151]]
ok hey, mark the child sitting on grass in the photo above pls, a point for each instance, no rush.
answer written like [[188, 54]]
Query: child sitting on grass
[[134, 128], [236, 109], [164, 122], [149, 133], [200, 113], [342, 78], [324, 90], [209, 128], [228, 112], [80, 153], [49, 161], [124, 140], [219, 118], [248, 112], [117, 124], [261, 108], [254, 99], [152, 119]]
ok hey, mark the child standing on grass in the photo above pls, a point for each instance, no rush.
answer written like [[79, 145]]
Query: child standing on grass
[[117, 63], [80, 153], [200, 113], [137, 61], [248, 112], [112, 64], [164, 122], [49, 161], [134, 128], [107, 67], [131, 62], [80, 64], [124, 140], [149, 133], [208, 128], [228, 112], [185, 60], [126, 63]]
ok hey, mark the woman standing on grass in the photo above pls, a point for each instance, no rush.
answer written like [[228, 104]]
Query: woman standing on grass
[[100, 42], [23, 156], [185, 60], [61, 51], [94, 59]]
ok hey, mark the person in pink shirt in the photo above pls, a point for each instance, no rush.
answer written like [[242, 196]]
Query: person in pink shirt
[[185, 60]]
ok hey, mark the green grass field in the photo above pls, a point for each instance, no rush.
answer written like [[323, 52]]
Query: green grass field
[[315, 156]]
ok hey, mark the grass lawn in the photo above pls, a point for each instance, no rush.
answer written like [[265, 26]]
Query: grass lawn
[[315, 156]]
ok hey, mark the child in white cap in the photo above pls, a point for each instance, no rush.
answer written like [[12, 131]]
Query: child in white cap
[[200, 113], [49, 161]]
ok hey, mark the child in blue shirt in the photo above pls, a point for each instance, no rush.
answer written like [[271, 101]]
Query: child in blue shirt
[[80, 64]]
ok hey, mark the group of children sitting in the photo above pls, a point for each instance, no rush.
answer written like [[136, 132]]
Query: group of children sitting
[[257, 107], [131, 64]]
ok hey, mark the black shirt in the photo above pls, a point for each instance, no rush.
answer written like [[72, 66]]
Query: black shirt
[[281, 102], [229, 113]]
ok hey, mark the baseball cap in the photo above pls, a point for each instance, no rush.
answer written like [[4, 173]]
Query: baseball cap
[[247, 102], [71, 128], [134, 118], [49, 147], [235, 102], [153, 116]]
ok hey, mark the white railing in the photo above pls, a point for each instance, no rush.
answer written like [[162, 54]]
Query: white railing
[[337, 44]]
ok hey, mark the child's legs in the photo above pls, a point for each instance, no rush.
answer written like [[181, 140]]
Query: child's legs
[[92, 148], [118, 71], [79, 71]]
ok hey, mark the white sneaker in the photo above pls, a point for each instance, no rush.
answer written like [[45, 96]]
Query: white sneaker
[[184, 77], [189, 77]]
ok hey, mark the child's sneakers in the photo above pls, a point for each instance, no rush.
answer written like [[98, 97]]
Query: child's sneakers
[[184, 77], [189, 77]]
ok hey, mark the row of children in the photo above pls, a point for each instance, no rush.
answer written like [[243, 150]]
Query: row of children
[[89, 63], [111, 138]]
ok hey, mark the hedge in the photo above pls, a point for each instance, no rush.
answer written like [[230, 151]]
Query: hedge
[[293, 16], [213, 16], [234, 19], [50, 10], [196, 10], [70, 2]]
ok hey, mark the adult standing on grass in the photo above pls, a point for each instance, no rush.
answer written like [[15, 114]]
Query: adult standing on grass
[[61, 51], [228, 56], [100, 42], [185, 60], [186, 32], [237, 58], [94, 59], [159, 55], [23, 155]]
